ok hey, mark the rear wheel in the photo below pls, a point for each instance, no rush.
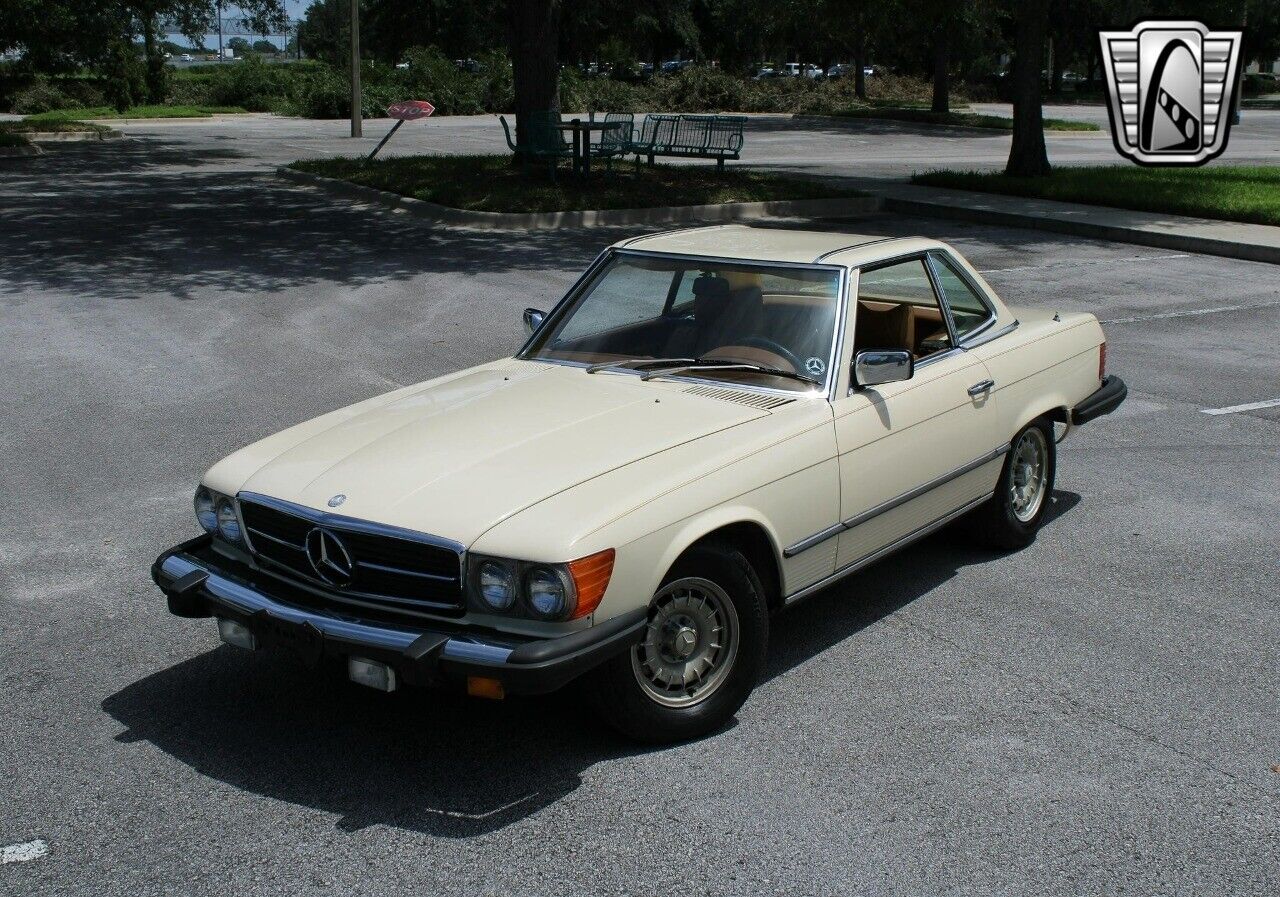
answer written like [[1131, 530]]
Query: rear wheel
[[1014, 513], [700, 656]]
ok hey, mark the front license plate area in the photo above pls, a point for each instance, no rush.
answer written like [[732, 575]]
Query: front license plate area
[[301, 641]]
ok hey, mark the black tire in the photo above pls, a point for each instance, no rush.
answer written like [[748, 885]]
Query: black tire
[[615, 689], [997, 524]]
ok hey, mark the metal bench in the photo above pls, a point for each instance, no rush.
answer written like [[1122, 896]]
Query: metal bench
[[615, 140], [543, 140], [716, 137]]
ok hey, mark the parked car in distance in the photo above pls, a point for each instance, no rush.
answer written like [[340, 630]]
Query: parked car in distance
[[847, 70], [809, 70], [710, 426]]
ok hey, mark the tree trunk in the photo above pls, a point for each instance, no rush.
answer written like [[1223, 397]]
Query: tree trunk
[[1028, 156], [859, 63], [155, 73], [941, 76], [534, 44]]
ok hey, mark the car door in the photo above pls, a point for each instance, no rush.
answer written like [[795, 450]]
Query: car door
[[918, 450]]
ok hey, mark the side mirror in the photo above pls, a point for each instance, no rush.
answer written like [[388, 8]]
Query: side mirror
[[533, 319], [872, 367]]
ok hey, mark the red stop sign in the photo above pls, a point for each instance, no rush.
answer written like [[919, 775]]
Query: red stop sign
[[408, 110]]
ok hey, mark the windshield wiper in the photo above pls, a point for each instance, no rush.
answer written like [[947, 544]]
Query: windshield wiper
[[713, 364], [637, 363]]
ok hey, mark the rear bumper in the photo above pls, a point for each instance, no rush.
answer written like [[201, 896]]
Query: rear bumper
[[1105, 400], [200, 583]]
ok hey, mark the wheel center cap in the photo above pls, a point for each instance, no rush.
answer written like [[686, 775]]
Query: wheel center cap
[[684, 641]]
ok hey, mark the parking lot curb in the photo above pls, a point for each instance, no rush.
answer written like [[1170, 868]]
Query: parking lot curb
[[735, 211], [72, 136], [967, 207], [19, 152]]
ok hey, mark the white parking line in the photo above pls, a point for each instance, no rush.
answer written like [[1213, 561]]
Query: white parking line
[[1077, 262], [1191, 313], [24, 853], [1236, 409]]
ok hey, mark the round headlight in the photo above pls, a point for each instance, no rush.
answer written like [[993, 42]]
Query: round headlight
[[497, 585], [547, 593], [206, 515], [228, 523]]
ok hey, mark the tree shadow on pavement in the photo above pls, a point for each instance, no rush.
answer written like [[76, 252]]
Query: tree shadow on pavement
[[110, 225], [434, 761]]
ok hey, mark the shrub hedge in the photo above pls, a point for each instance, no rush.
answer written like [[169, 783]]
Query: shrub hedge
[[316, 90]]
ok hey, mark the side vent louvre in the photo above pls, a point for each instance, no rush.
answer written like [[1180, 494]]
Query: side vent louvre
[[750, 399]]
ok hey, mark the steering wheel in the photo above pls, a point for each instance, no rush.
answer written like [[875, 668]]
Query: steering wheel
[[769, 345]]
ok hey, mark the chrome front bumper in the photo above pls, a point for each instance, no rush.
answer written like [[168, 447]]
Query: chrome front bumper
[[200, 583]]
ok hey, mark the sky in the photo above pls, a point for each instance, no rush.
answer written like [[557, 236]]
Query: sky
[[296, 9]]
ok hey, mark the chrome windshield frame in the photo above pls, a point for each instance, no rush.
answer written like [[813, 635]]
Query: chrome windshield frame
[[826, 389]]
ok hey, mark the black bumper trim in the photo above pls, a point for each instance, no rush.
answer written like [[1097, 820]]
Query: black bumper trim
[[1105, 400], [199, 583]]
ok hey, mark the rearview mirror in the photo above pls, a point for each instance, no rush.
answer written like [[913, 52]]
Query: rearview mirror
[[533, 319], [872, 367]]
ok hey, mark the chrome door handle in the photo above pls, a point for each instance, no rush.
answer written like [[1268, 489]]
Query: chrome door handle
[[982, 386]]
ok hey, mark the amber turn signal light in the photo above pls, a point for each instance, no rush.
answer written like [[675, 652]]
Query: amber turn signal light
[[590, 579], [484, 687]]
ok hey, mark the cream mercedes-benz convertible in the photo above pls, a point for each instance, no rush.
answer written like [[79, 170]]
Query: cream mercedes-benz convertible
[[710, 426]]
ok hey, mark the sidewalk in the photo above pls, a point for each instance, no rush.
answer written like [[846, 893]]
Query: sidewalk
[[1254, 242]]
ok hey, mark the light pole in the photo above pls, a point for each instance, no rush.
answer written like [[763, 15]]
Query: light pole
[[356, 123]]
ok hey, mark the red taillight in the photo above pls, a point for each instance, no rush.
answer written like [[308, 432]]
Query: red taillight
[[1102, 361]]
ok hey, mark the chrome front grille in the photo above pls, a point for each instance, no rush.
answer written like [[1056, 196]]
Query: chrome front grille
[[391, 569]]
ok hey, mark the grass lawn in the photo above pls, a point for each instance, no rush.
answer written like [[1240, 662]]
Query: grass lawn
[[133, 112], [29, 126], [494, 184], [967, 119], [1232, 193]]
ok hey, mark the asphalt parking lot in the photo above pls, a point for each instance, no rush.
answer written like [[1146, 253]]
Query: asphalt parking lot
[[813, 145], [1096, 714]]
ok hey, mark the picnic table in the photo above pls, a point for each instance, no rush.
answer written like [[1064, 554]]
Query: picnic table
[[581, 131]]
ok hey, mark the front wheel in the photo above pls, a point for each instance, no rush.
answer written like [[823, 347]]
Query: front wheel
[[700, 656], [1010, 519]]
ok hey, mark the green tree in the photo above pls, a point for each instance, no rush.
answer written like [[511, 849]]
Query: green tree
[[60, 35]]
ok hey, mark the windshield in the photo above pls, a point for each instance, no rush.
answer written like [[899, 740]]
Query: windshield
[[775, 324]]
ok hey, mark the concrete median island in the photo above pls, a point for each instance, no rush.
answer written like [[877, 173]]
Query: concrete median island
[[489, 191], [1248, 194]]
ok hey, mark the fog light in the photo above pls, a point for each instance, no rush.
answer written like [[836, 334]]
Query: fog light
[[371, 673], [234, 633]]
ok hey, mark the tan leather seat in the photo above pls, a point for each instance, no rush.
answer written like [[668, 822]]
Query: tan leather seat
[[884, 328], [724, 316]]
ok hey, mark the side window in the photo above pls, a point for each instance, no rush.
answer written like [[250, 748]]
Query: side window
[[967, 309], [898, 309]]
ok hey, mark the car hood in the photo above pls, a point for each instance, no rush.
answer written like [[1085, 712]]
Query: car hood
[[456, 456]]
